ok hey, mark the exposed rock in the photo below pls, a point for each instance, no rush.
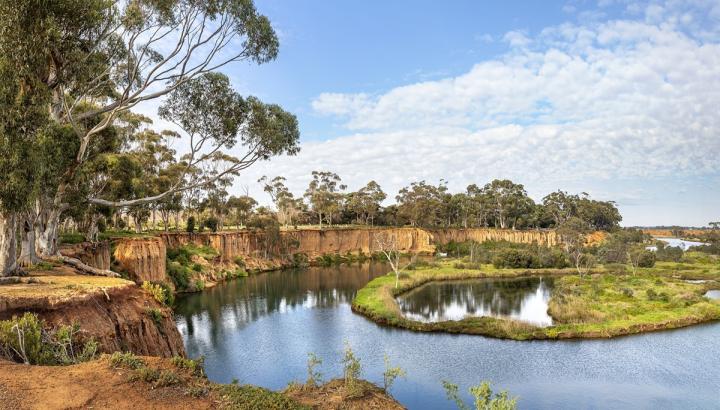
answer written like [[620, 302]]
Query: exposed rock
[[141, 259], [116, 317]]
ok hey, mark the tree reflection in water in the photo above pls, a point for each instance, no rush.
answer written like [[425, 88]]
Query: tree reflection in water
[[522, 299], [233, 305]]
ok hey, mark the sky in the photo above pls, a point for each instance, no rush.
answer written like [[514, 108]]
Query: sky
[[619, 99]]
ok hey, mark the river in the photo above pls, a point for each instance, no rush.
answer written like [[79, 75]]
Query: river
[[260, 329]]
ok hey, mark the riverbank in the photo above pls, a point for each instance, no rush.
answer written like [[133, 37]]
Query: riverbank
[[598, 305], [123, 381]]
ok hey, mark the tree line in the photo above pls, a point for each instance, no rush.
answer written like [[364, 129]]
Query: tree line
[[326, 201]]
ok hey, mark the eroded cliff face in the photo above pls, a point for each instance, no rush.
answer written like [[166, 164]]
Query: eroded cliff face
[[117, 318], [141, 259], [144, 259], [545, 238], [96, 254]]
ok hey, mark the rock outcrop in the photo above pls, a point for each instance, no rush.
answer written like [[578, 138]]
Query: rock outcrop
[[544, 237], [141, 259], [118, 318]]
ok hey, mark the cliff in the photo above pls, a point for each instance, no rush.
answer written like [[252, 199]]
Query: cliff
[[141, 259], [96, 254], [114, 312]]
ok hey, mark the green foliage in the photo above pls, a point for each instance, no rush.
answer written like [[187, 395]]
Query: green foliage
[[25, 339], [239, 261], [247, 397], [190, 224], [69, 238], [352, 369], [167, 378], [179, 274], [199, 285], [483, 397], [647, 259], [211, 223], [126, 360], [197, 267], [390, 374], [161, 292], [157, 316], [504, 254], [196, 367], [314, 377], [668, 253]]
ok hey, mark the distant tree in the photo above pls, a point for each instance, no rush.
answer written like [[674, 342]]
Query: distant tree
[[387, 243], [365, 203], [561, 206], [509, 201], [573, 233], [287, 205], [421, 203], [242, 207], [324, 195], [714, 225]]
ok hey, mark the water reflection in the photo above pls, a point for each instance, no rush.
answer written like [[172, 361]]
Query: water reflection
[[524, 299], [227, 308]]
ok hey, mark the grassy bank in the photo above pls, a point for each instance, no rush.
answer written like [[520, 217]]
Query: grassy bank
[[602, 304]]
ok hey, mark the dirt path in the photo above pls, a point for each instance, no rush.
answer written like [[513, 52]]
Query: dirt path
[[86, 386]]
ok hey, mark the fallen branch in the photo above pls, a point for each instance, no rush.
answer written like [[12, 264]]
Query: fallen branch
[[87, 269]]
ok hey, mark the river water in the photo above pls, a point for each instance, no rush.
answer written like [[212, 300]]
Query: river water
[[260, 329]]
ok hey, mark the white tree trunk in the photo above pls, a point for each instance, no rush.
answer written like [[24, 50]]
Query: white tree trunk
[[8, 244], [46, 233], [28, 256]]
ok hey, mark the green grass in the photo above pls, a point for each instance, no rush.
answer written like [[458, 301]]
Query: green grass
[[595, 305], [247, 397]]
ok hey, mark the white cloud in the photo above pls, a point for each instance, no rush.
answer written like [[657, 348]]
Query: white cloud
[[592, 102]]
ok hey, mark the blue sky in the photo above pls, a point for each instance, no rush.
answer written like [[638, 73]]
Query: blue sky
[[615, 98]]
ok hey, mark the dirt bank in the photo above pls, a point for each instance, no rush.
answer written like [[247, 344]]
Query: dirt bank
[[114, 312]]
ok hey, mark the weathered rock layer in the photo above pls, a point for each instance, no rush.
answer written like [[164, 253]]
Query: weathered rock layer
[[117, 318]]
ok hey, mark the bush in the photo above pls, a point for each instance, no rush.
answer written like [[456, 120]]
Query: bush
[[25, 340], [514, 258], [179, 274], [211, 223], [190, 227], [197, 366], [157, 316], [161, 292], [647, 259], [483, 396], [314, 377], [390, 374], [352, 370], [239, 261], [669, 253], [126, 360]]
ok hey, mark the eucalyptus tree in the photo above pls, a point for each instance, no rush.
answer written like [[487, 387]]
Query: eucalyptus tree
[[421, 203], [365, 203], [324, 193], [242, 206], [509, 201], [287, 205], [93, 60]]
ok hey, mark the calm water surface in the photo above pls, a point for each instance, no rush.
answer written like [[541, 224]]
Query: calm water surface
[[260, 330], [524, 299]]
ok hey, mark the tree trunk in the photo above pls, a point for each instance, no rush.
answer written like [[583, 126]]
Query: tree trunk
[[46, 233], [138, 225], [91, 235], [28, 256], [8, 244]]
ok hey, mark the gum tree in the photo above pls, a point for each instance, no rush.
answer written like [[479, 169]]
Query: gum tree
[[94, 60]]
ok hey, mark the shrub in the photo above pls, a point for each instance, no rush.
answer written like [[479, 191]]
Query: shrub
[[211, 223], [145, 374], [190, 227], [126, 360], [161, 292], [314, 377], [351, 370], [390, 374], [627, 292], [669, 253], [179, 274], [197, 267], [157, 316], [167, 378], [199, 285], [197, 366], [514, 258], [483, 396], [25, 339], [647, 259], [239, 261]]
